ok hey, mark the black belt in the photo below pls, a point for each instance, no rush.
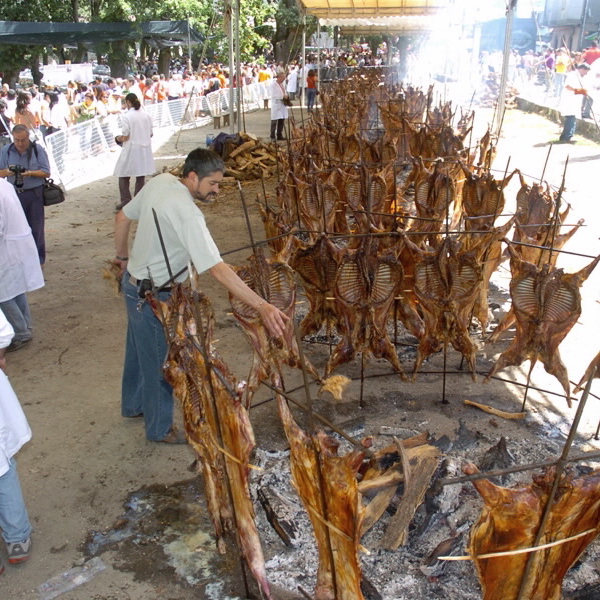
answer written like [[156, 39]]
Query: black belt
[[146, 285]]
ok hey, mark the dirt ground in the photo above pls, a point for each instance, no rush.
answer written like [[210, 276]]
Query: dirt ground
[[85, 461]]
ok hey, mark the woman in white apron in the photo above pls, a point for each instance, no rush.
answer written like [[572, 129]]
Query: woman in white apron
[[136, 158]]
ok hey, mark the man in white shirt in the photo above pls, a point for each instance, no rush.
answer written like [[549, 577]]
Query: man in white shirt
[[570, 101], [171, 200]]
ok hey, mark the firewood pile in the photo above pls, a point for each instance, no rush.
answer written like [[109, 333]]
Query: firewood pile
[[248, 158]]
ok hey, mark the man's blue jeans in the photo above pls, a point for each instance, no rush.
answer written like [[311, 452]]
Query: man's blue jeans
[[569, 128], [17, 313], [14, 521], [144, 390]]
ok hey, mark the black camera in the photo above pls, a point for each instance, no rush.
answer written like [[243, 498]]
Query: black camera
[[18, 170]]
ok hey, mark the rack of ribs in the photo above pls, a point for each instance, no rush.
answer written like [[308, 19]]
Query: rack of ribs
[[546, 303], [327, 486], [447, 282], [217, 426], [509, 521], [317, 266], [367, 281], [272, 279], [482, 198]]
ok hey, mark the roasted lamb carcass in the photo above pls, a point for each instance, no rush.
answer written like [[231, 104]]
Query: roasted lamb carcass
[[447, 282], [327, 486], [482, 199], [217, 426], [273, 280], [367, 281], [547, 303], [510, 520], [488, 250], [317, 266]]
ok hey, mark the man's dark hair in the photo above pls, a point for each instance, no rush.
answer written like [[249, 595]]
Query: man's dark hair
[[203, 162], [20, 129]]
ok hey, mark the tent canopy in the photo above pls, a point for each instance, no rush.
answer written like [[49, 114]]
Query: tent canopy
[[157, 33], [351, 9]]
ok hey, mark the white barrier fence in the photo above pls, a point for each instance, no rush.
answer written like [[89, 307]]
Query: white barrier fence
[[87, 151]]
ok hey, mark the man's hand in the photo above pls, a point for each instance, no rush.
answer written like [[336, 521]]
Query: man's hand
[[275, 320], [121, 263]]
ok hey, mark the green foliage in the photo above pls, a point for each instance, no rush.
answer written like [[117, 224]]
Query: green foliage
[[265, 25]]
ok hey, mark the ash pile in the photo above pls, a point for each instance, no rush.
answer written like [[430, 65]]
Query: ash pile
[[407, 531]]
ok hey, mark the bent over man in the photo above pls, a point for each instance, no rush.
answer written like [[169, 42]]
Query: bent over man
[[185, 237]]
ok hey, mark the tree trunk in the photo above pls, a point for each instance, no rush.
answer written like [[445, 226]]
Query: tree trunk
[[34, 64], [118, 58], [164, 61]]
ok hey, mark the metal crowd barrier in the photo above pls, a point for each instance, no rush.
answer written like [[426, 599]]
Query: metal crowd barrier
[[87, 151]]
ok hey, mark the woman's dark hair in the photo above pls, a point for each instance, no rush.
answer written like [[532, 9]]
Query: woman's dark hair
[[53, 98], [311, 73], [203, 162], [133, 100], [23, 100]]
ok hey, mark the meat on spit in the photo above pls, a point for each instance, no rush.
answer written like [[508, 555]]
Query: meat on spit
[[447, 282], [327, 486], [217, 425], [367, 281], [317, 266], [272, 279], [509, 521], [547, 303]]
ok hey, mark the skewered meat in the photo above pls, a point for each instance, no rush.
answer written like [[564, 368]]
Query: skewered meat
[[535, 207], [216, 424], [488, 248], [447, 282], [547, 303], [482, 199], [435, 191], [366, 284], [327, 486], [536, 256], [317, 266], [510, 520], [273, 280]]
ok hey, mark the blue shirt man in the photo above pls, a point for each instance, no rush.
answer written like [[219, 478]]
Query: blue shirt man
[[35, 167]]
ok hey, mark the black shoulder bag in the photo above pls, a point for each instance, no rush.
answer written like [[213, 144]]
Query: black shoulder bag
[[52, 192]]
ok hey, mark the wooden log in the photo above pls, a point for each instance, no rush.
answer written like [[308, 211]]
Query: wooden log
[[245, 146], [423, 462], [377, 507], [278, 514], [390, 477]]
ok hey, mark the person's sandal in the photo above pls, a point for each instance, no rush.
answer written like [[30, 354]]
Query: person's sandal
[[175, 436]]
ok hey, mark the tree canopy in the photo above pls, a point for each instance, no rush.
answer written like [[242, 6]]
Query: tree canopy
[[267, 28]]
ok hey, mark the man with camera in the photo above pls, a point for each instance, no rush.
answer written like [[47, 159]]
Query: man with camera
[[25, 165]]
